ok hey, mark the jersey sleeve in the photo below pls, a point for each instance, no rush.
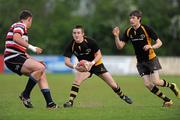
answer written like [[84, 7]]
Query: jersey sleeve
[[93, 45], [151, 33], [124, 37], [68, 50], [19, 29]]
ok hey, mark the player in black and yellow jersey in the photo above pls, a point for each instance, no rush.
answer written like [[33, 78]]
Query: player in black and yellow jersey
[[148, 64], [85, 48]]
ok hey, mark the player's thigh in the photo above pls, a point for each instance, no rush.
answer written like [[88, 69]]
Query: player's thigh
[[81, 76], [107, 77], [31, 65], [155, 76], [147, 81]]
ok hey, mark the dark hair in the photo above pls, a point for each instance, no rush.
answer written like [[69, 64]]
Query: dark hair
[[25, 14], [136, 13], [79, 27]]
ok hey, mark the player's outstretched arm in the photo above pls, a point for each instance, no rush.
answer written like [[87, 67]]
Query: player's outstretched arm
[[116, 32]]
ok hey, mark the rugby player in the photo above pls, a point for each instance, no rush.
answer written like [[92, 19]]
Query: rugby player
[[141, 37], [84, 48], [20, 62]]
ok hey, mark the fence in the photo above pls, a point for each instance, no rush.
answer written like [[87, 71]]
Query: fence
[[117, 65]]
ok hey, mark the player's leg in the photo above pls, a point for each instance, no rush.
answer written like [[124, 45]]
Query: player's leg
[[43, 85], [146, 70], [34, 70], [109, 80], [79, 78], [163, 83], [155, 90]]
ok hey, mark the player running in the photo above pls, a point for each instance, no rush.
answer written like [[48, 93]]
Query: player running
[[147, 62]]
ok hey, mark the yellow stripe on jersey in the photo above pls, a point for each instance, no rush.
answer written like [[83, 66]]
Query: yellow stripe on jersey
[[151, 51], [128, 31], [98, 62]]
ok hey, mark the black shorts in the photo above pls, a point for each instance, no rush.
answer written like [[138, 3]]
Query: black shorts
[[15, 64], [98, 70], [146, 68]]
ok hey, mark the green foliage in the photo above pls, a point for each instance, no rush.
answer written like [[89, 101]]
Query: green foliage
[[53, 21]]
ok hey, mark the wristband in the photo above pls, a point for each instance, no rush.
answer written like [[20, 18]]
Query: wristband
[[93, 62], [74, 66], [31, 47]]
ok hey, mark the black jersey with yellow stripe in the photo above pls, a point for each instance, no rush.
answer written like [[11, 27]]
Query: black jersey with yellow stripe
[[83, 51], [139, 38]]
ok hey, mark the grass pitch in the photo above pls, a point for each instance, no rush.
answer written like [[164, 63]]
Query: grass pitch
[[95, 101]]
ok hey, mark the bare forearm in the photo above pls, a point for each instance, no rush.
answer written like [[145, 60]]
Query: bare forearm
[[68, 63], [157, 45], [21, 42], [119, 43], [97, 58]]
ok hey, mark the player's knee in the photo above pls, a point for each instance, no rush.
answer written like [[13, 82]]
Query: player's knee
[[148, 85], [41, 68], [157, 82], [38, 72], [77, 82]]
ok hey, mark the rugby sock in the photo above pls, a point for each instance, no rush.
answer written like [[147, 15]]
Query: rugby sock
[[29, 86], [167, 84], [74, 92], [119, 92], [47, 96], [155, 90]]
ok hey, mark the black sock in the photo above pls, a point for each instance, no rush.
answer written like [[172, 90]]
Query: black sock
[[29, 86], [155, 90], [119, 92], [74, 92], [167, 84], [47, 96]]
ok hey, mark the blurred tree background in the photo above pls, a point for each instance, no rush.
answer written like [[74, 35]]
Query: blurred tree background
[[53, 21]]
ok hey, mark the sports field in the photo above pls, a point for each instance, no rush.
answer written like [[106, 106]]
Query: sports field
[[95, 101]]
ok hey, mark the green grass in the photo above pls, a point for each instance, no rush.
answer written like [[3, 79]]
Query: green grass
[[95, 101]]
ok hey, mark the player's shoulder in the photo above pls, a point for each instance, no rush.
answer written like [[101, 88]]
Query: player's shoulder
[[128, 30], [19, 24], [89, 39], [148, 28], [71, 42]]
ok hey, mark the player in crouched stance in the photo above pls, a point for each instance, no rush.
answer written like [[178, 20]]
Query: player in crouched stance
[[18, 61], [85, 48]]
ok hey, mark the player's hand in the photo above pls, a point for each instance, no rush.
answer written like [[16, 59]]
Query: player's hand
[[147, 47], [116, 31], [42, 62], [38, 50], [84, 66], [27, 55], [80, 68], [89, 66]]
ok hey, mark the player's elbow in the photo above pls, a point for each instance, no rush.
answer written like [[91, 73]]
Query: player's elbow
[[67, 63], [15, 39], [160, 44], [119, 47]]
